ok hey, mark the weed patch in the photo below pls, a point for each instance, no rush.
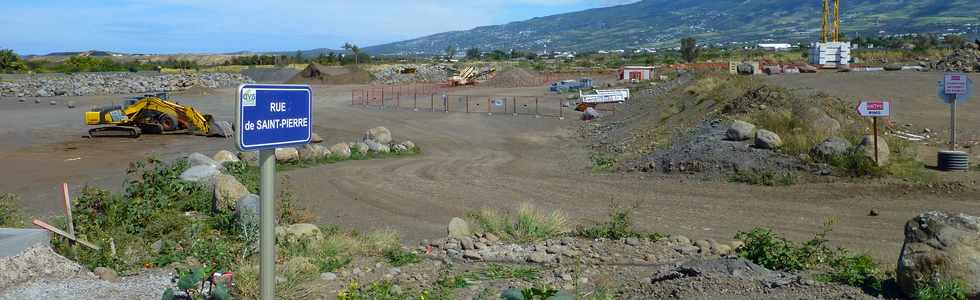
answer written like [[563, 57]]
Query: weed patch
[[399, 257], [602, 162], [10, 215], [945, 290], [765, 177], [619, 226], [772, 251], [526, 225]]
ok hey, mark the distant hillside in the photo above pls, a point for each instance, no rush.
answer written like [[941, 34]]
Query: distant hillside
[[304, 53], [657, 23]]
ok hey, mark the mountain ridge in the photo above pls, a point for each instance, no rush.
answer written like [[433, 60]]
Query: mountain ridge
[[660, 23]]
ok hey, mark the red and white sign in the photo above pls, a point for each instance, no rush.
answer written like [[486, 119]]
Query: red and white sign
[[874, 108], [955, 84]]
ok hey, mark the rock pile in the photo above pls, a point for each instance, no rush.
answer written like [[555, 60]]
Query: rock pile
[[466, 245], [88, 84], [961, 60], [412, 73]]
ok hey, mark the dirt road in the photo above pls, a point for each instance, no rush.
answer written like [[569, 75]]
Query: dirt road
[[474, 160]]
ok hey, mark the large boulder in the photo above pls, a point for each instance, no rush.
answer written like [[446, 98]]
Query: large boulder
[[867, 148], [373, 145], [287, 154], [251, 157], [340, 150], [458, 228], [308, 152], [202, 173], [224, 156], [360, 147], [819, 121], [248, 208], [378, 134], [833, 146], [740, 131], [766, 139], [940, 247], [227, 191], [197, 159]]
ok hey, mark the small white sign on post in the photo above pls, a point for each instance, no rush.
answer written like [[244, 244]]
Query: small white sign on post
[[874, 108]]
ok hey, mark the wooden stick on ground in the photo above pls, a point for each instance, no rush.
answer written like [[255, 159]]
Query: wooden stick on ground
[[60, 232]]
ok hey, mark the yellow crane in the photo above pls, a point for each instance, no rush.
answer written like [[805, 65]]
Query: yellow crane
[[830, 29]]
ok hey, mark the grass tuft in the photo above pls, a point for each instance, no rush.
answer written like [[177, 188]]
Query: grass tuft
[[942, 290], [10, 215], [526, 225], [765, 177]]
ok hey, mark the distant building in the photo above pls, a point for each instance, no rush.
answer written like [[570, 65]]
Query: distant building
[[831, 54], [776, 47], [636, 73]]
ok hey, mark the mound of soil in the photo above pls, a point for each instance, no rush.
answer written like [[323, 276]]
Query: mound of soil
[[320, 74], [705, 151], [516, 77], [270, 75]]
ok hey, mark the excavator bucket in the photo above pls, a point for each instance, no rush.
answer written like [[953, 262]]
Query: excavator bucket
[[219, 128]]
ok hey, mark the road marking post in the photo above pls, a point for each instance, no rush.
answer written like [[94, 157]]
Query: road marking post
[[270, 116], [874, 109]]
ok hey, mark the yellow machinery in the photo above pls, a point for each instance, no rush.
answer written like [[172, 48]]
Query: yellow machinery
[[152, 114], [830, 26], [469, 76]]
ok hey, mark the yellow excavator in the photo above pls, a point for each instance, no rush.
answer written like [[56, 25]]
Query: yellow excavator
[[153, 114]]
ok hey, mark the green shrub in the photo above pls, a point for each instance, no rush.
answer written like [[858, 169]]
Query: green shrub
[[942, 290], [855, 270], [526, 225], [495, 271], [619, 226], [772, 251], [9, 212], [765, 177], [602, 162], [380, 290], [398, 257]]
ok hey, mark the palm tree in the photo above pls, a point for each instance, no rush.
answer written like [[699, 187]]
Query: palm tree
[[354, 49]]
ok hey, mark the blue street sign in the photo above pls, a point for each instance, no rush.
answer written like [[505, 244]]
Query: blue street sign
[[273, 115]]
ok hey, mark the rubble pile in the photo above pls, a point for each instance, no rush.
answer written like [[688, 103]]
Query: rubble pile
[[412, 73], [961, 60], [89, 84]]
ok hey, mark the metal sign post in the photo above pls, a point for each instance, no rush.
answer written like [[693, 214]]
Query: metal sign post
[[953, 89], [270, 116], [874, 109]]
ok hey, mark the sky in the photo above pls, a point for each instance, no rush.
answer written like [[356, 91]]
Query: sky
[[222, 26]]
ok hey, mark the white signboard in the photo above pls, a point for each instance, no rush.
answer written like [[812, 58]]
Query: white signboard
[[874, 108], [955, 84], [602, 98], [623, 92]]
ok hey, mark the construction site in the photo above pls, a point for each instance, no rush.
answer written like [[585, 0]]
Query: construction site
[[738, 179]]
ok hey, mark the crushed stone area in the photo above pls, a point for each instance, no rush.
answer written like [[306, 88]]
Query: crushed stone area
[[40, 273], [91, 84]]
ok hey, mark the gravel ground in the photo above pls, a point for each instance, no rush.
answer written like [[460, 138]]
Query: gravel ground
[[40, 273]]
